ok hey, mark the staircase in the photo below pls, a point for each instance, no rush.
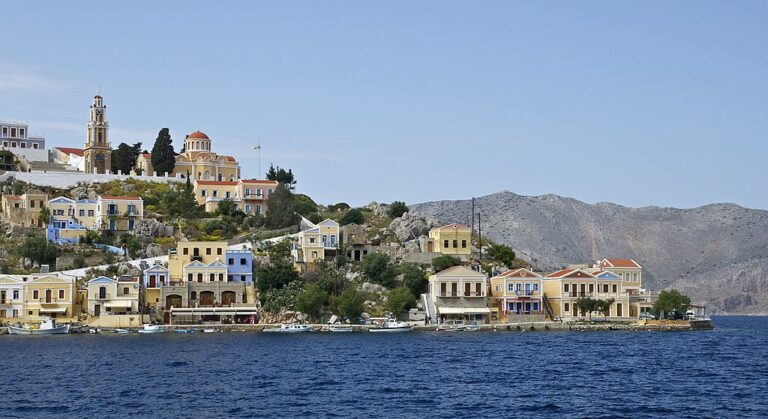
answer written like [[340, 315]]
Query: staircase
[[429, 307], [548, 307]]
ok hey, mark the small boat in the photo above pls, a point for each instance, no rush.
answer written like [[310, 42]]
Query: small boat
[[123, 331], [47, 327], [473, 327], [94, 331], [151, 328], [452, 326], [289, 328], [209, 330], [184, 331], [391, 326], [338, 328]]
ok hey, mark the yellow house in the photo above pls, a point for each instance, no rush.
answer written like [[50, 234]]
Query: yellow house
[[451, 239], [107, 296], [316, 245], [458, 293], [49, 296], [11, 298], [630, 272], [517, 292], [249, 195], [563, 288], [211, 192], [24, 209], [120, 213], [187, 252], [113, 213]]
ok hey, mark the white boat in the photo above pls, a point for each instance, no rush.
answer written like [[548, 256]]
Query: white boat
[[209, 330], [452, 326], [391, 326], [289, 328], [151, 328], [338, 328], [123, 331], [473, 327], [47, 327]]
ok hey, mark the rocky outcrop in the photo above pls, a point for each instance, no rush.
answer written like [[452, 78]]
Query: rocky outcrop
[[717, 253], [148, 229], [84, 191], [411, 225], [379, 210]]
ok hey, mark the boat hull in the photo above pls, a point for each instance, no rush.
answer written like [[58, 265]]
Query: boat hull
[[341, 329], [59, 330], [390, 330]]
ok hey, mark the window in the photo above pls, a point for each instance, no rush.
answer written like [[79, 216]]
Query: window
[[518, 286], [82, 213], [311, 239], [61, 294], [314, 254], [591, 287], [189, 277], [258, 209], [455, 244], [126, 290], [23, 145], [207, 250], [243, 278], [215, 193], [212, 277], [185, 251], [535, 306], [193, 295], [248, 208], [221, 277], [614, 288], [35, 295], [199, 277], [90, 213], [242, 261], [258, 192], [445, 244], [567, 307], [218, 251], [565, 289], [35, 146], [535, 286], [31, 204], [202, 192], [15, 294], [463, 244], [635, 277], [130, 225], [231, 261], [605, 287], [227, 194], [13, 143], [229, 278], [510, 287], [247, 191]]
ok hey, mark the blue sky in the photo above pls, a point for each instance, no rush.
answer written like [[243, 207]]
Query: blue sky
[[638, 103]]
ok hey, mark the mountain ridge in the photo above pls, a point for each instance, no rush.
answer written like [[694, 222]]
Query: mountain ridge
[[717, 253]]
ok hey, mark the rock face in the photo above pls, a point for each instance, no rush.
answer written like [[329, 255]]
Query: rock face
[[411, 225], [148, 229], [717, 254], [379, 210]]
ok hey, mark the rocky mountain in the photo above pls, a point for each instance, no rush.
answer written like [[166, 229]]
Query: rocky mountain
[[717, 254]]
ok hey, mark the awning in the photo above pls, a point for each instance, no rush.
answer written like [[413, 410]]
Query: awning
[[53, 310], [203, 311], [118, 304], [464, 310]]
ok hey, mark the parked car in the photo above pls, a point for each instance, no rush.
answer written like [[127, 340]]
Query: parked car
[[647, 315], [674, 315], [690, 315]]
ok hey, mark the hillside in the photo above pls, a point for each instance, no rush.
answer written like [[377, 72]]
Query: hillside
[[718, 254]]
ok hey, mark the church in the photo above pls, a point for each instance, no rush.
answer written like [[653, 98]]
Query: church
[[198, 161]]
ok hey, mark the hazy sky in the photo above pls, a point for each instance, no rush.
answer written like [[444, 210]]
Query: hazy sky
[[638, 103]]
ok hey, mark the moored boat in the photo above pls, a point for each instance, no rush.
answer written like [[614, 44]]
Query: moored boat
[[47, 327], [391, 326], [209, 330], [289, 328], [452, 326], [338, 328], [184, 331], [151, 328], [123, 331]]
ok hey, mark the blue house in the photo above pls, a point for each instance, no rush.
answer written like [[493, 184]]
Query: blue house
[[239, 265]]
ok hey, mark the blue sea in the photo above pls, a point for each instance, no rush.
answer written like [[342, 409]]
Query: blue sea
[[719, 373]]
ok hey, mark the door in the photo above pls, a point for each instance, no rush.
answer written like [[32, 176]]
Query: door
[[206, 298], [527, 308], [227, 298], [467, 289], [478, 289], [48, 296], [618, 310], [583, 289], [152, 281], [442, 289], [455, 289], [97, 310]]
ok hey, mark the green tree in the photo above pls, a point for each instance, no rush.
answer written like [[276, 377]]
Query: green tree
[[672, 300], [338, 207], [180, 203], [304, 205], [399, 299], [353, 216], [274, 300], [281, 209], [312, 301], [44, 216], [414, 278], [331, 279], [444, 262], [397, 209], [275, 275], [350, 304], [282, 176], [378, 268], [280, 251], [228, 207], [124, 157], [163, 157], [586, 305], [604, 306], [39, 250], [503, 254], [130, 242]]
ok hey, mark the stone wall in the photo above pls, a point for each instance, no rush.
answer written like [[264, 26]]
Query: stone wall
[[63, 180]]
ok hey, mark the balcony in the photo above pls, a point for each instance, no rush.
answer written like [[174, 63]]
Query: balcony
[[461, 294], [131, 213], [523, 293]]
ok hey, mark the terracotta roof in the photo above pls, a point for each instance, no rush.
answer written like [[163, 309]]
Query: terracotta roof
[[560, 273], [199, 135], [259, 181], [69, 150], [620, 263], [230, 158], [518, 273], [570, 273], [451, 226], [12, 197], [216, 182], [146, 155], [124, 198]]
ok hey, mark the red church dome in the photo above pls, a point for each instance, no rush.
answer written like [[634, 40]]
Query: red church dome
[[199, 135]]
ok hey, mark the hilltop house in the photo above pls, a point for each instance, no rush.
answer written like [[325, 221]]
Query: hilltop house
[[315, 245], [451, 239], [24, 210], [249, 195], [71, 219]]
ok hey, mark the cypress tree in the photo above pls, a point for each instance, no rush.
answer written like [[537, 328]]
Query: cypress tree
[[163, 157]]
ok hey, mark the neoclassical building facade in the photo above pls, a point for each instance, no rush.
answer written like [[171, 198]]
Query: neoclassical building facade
[[198, 161]]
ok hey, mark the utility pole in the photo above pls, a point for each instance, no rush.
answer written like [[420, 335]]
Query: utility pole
[[258, 153], [479, 237], [472, 226]]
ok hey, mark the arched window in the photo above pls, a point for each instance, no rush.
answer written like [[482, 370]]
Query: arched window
[[193, 295]]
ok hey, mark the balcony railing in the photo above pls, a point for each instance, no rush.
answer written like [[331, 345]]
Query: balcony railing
[[525, 292], [461, 294]]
